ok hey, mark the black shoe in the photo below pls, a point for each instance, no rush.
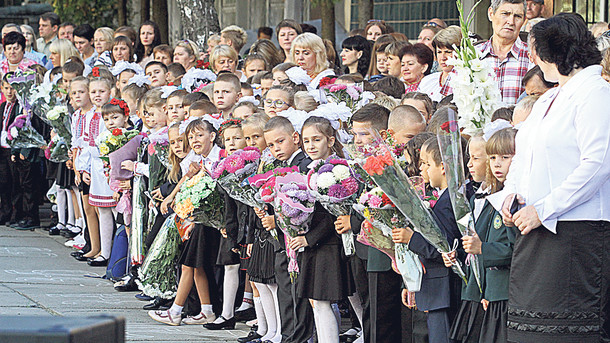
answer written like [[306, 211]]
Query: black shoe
[[129, 286], [77, 253], [82, 258], [228, 324], [29, 225], [69, 234], [143, 297], [97, 262], [245, 315], [54, 231], [252, 335], [159, 304]]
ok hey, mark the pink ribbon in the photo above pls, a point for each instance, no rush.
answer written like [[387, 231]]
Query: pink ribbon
[[124, 204]]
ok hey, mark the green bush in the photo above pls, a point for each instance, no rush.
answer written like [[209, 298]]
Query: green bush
[[96, 13]]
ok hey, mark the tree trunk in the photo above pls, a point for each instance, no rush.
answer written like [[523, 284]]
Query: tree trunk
[[122, 12], [199, 20], [144, 10], [159, 16], [365, 12], [327, 9]]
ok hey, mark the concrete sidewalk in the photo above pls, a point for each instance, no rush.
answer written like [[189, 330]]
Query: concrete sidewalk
[[39, 278]]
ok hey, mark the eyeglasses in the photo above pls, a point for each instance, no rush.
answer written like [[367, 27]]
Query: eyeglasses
[[375, 21], [275, 103], [431, 23]]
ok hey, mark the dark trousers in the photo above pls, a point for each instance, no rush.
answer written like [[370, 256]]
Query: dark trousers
[[6, 185], [25, 177], [361, 282], [439, 326], [384, 290], [414, 326], [295, 313]]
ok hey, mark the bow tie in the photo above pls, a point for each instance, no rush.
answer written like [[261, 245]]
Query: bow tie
[[480, 195]]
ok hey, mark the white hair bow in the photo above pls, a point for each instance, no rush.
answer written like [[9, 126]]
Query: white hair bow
[[140, 80], [196, 77], [249, 98], [493, 127], [121, 66], [298, 75]]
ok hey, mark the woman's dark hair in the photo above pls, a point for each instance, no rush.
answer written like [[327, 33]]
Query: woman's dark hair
[[122, 40], [84, 31], [359, 43], [140, 50], [12, 38], [422, 52], [565, 41]]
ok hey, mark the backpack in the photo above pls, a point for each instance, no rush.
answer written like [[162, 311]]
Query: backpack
[[117, 264]]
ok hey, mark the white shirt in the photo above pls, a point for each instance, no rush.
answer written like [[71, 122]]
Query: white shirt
[[562, 161], [431, 86]]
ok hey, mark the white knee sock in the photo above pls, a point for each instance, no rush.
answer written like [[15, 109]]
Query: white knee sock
[[79, 201], [278, 332], [260, 316], [326, 323], [61, 208], [268, 303], [229, 291], [70, 205], [246, 301], [106, 229], [357, 306]]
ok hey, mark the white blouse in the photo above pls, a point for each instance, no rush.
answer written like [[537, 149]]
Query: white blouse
[[562, 161]]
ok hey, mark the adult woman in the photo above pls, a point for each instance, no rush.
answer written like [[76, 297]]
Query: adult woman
[[13, 44], [225, 58], [375, 28], [122, 49], [61, 50], [437, 85], [186, 53], [30, 47], [102, 42], [308, 52], [148, 39], [560, 276], [268, 51], [287, 30], [426, 35], [356, 55], [416, 62], [378, 67]]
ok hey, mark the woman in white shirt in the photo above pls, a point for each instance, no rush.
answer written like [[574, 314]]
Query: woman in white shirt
[[308, 52], [560, 274], [436, 85]]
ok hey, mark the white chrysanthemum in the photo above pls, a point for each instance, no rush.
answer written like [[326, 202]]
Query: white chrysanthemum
[[325, 180], [14, 132], [341, 172]]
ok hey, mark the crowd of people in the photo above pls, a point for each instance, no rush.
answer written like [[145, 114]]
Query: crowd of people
[[537, 174]]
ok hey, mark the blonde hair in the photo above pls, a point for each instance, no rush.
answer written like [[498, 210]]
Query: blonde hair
[[257, 120], [191, 48], [174, 173], [108, 35], [606, 62], [447, 38], [385, 101], [236, 35], [153, 98], [304, 101], [500, 143], [222, 50], [65, 49], [314, 43]]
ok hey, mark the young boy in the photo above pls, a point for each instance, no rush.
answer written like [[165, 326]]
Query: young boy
[[191, 98], [157, 73], [297, 317], [163, 53], [246, 89], [201, 107], [175, 71], [405, 122], [9, 110], [440, 287], [227, 90]]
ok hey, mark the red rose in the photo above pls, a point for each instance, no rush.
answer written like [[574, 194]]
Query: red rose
[[95, 71], [326, 81], [450, 126], [117, 132]]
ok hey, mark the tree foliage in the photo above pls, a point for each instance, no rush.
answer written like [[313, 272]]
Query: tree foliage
[[97, 13]]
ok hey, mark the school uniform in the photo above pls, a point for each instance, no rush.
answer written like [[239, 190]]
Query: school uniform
[[262, 258], [236, 224], [8, 110], [440, 287]]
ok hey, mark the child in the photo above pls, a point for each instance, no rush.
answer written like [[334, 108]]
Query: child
[[122, 80], [390, 86], [157, 73], [405, 122], [163, 53], [246, 89], [191, 98], [421, 102], [243, 110], [175, 111], [266, 82], [201, 250], [154, 105], [9, 109], [131, 94], [278, 99], [323, 275], [201, 107], [253, 64], [227, 90], [283, 142], [175, 71]]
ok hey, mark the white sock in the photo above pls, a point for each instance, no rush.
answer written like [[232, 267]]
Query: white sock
[[246, 302], [326, 323], [337, 314], [207, 309], [70, 204], [260, 316], [278, 332], [357, 306], [229, 291], [106, 229], [270, 316], [61, 208], [175, 310], [79, 201]]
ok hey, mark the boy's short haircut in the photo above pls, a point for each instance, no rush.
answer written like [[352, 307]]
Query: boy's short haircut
[[258, 120], [176, 69], [526, 104], [179, 93], [134, 91], [375, 114], [236, 35], [191, 98], [156, 63], [256, 78], [446, 101], [432, 148], [265, 30], [163, 48], [405, 115], [267, 75], [245, 85], [73, 67], [390, 85], [279, 123], [395, 48], [505, 113], [203, 105], [384, 100], [230, 78]]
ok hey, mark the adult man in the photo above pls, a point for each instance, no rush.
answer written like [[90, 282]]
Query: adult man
[[83, 41], [48, 25], [66, 31], [534, 9], [507, 52]]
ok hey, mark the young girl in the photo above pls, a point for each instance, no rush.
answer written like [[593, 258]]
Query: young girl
[[201, 250], [175, 110], [278, 99], [243, 110], [323, 275]]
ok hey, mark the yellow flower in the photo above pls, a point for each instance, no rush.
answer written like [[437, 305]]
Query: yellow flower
[[104, 149], [113, 140]]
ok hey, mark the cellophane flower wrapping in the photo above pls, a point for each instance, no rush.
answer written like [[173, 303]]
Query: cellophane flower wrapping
[[57, 150], [352, 96], [232, 174], [199, 201], [157, 276], [43, 99], [138, 222], [21, 134], [59, 118], [24, 83], [159, 146], [449, 141], [378, 160], [294, 207], [335, 186], [110, 141]]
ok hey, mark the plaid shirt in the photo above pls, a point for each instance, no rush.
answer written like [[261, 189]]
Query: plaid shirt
[[510, 71]]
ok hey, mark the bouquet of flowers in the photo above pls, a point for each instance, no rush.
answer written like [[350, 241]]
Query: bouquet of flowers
[[57, 151], [136, 236], [21, 134], [110, 141], [199, 201], [232, 173], [159, 147], [475, 90], [335, 186], [24, 83], [127, 152], [59, 118], [451, 153], [294, 206], [379, 162], [157, 276], [44, 98], [352, 96]]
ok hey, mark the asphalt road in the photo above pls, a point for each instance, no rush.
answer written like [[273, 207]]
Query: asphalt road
[[39, 278]]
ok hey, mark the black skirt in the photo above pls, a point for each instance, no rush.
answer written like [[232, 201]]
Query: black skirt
[[322, 273], [560, 284], [65, 176], [466, 326], [494, 322], [262, 260], [201, 250], [226, 256]]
